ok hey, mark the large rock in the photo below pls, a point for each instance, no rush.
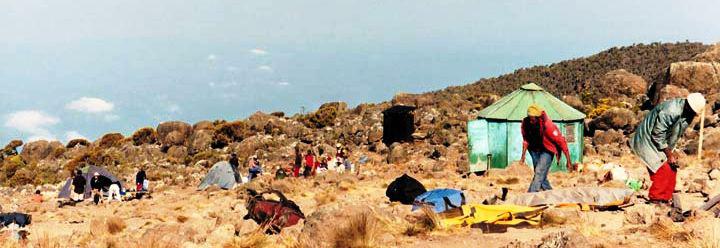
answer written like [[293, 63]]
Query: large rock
[[201, 140], [670, 92], [204, 125], [13, 145], [397, 154], [620, 82], [701, 77], [173, 133], [327, 113], [177, 152], [615, 118], [110, 140], [39, 150], [710, 55]]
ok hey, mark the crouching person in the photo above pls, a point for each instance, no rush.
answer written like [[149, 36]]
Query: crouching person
[[101, 184]]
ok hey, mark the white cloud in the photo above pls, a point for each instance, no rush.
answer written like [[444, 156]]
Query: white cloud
[[211, 84], [212, 57], [71, 135], [265, 68], [90, 105], [258, 51], [283, 83], [111, 117], [32, 122]]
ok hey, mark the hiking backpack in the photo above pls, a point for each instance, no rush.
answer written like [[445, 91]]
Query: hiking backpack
[[404, 189]]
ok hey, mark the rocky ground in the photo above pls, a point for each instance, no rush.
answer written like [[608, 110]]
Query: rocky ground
[[351, 210], [346, 210]]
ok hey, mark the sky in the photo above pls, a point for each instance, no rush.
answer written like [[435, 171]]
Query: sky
[[83, 68]]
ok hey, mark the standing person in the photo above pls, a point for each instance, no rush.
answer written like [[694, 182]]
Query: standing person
[[140, 178], [78, 183], [542, 138], [255, 168], [298, 161], [235, 165], [309, 163], [339, 155], [656, 137], [102, 184]]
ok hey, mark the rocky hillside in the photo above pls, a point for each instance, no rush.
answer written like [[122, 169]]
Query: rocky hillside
[[612, 87]]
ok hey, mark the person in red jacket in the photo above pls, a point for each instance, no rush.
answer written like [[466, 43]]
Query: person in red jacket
[[544, 141]]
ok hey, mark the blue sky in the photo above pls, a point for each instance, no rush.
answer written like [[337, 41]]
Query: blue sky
[[84, 68]]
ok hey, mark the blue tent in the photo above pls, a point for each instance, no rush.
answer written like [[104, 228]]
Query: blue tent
[[440, 200]]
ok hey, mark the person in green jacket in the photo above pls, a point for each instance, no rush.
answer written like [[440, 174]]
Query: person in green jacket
[[656, 137]]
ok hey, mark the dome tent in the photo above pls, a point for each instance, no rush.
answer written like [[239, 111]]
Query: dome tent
[[495, 139]]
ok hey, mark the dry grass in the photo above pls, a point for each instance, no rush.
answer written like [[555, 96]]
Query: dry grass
[[325, 197], [665, 229], [115, 225], [361, 230], [588, 226], [43, 240], [255, 239]]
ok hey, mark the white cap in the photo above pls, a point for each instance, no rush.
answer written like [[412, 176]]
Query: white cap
[[696, 101], [96, 173]]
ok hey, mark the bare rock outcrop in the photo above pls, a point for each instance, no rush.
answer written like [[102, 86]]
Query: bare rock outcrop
[[173, 133], [42, 149]]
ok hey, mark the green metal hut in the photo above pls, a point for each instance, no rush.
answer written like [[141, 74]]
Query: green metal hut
[[495, 139]]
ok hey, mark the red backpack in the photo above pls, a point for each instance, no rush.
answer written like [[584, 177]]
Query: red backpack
[[271, 214]]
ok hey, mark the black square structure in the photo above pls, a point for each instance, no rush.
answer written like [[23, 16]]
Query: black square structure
[[398, 124]]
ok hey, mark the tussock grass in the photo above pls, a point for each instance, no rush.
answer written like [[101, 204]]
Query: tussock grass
[[256, 239], [115, 225], [361, 230], [665, 229], [325, 197]]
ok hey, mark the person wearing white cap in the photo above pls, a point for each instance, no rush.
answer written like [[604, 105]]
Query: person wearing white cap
[[100, 183], [656, 137]]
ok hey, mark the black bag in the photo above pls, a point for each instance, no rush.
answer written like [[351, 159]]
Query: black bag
[[404, 189], [18, 218]]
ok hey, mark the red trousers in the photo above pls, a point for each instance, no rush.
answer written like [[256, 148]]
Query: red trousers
[[296, 171], [663, 183]]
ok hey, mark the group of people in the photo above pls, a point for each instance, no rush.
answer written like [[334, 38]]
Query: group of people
[[306, 164], [311, 163], [101, 185], [653, 142]]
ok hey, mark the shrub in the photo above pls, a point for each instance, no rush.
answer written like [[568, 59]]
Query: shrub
[[110, 140], [146, 135], [361, 230]]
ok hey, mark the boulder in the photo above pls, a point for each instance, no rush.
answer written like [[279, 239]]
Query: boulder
[[611, 136], [701, 77], [397, 154], [712, 54], [617, 83], [204, 125], [42, 149], [670, 92], [110, 140], [173, 133], [325, 116], [201, 140], [615, 118], [639, 214], [714, 174], [13, 144], [177, 152]]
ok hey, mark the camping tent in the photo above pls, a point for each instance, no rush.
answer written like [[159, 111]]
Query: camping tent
[[221, 174], [88, 173], [495, 140]]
